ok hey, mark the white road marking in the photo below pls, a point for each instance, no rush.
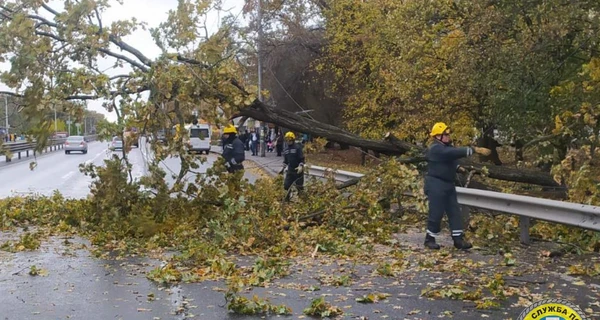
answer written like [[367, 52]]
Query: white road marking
[[90, 161], [68, 175]]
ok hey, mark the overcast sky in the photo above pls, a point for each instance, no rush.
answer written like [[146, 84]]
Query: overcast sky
[[153, 12]]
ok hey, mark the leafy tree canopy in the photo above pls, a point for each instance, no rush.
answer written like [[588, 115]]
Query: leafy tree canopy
[[475, 64]]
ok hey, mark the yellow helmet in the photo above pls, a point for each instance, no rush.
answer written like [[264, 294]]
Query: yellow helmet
[[439, 128], [229, 129], [290, 136]]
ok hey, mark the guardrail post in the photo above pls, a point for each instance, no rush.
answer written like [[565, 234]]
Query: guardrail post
[[466, 215], [524, 223], [27, 153], [19, 153]]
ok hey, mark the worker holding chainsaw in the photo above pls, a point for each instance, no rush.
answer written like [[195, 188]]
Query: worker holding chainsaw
[[293, 160], [440, 187]]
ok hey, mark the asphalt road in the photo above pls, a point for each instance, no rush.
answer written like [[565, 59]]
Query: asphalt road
[[75, 285], [59, 171]]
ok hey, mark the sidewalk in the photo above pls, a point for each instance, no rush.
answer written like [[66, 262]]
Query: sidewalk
[[270, 163]]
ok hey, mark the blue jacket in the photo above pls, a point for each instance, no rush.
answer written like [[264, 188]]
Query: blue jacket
[[442, 160], [233, 151]]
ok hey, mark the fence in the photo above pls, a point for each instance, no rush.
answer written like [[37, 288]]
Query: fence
[[17, 148], [573, 214]]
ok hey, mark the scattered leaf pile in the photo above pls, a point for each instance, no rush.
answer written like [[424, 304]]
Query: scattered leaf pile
[[220, 215]]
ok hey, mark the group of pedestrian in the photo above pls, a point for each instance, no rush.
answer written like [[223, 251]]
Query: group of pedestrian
[[11, 137], [251, 141], [440, 189]]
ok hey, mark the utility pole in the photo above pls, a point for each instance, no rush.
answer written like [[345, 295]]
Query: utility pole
[[55, 124], [84, 125], [6, 110], [259, 58], [69, 125]]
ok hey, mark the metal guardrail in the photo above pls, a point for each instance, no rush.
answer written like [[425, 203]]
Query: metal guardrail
[[567, 213], [29, 147]]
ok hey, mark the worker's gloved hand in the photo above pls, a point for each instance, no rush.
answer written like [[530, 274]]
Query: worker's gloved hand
[[227, 165], [283, 170], [461, 169], [300, 169], [482, 151]]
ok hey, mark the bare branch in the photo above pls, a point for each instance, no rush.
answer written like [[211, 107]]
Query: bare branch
[[45, 6], [113, 39], [124, 46], [126, 76], [105, 51], [183, 59], [112, 94], [546, 137], [99, 20]]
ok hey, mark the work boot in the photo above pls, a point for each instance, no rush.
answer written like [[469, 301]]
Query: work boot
[[430, 243], [461, 243]]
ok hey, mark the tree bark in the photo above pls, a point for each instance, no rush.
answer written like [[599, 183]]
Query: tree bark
[[390, 146], [263, 112]]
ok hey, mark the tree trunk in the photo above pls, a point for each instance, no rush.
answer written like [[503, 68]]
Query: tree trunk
[[263, 112], [519, 144], [390, 146], [487, 141]]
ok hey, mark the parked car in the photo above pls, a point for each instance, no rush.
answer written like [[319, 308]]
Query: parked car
[[116, 143], [76, 143]]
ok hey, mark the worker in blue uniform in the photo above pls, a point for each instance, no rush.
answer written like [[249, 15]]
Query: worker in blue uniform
[[293, 160], [233, 150], [440, 187]]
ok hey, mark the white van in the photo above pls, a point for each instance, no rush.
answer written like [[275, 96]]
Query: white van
[[199, 137]]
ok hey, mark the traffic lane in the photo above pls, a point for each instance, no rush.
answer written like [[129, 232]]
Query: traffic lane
[[59, 171], [78, 185], [52, 171]]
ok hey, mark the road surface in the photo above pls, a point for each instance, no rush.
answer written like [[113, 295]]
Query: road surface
[[75, 285], [59, 171]]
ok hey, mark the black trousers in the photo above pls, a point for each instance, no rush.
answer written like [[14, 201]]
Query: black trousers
[[293, 178], [235, 167], [442, 198]]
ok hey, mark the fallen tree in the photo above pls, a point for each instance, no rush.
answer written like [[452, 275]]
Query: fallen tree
[[390, 146]]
